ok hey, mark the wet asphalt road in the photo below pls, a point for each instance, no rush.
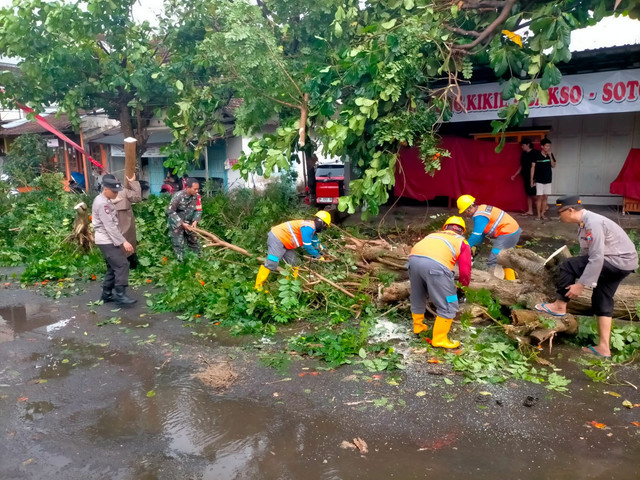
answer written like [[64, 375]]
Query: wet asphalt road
[[120, 401]]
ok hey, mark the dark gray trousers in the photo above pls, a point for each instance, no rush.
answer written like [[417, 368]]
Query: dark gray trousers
[[117, 266]]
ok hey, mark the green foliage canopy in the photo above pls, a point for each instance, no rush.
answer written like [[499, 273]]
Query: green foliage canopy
[[367, 78], [85, 55], [26, 159]]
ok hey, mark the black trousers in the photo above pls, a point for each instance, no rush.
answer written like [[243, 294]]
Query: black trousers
[[608, 281], [117, 266]]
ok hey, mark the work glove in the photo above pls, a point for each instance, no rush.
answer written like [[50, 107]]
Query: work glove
[[474, 251], [321, 259]]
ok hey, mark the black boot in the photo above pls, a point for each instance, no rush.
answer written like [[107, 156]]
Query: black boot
[[121, 298], [107, 294]]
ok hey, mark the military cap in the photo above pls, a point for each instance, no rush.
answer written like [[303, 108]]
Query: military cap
[[568, 201], [111, 182]]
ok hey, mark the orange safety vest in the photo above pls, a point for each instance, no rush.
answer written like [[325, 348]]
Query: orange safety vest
[[500, 222], [289, 232], [443, 247]]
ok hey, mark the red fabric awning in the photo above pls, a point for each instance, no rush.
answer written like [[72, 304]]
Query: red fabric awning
[[474, 168], [627, 182]]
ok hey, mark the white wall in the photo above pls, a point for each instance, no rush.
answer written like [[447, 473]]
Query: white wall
[[591, 150], [237, 145]]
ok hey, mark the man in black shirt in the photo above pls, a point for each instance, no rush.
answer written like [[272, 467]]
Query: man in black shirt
[[541, 177], [529, 155]]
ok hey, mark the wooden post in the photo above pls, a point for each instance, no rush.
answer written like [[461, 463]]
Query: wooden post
[[84, 163], [206, 166], [103, 157], [67, 170], [129, 159]]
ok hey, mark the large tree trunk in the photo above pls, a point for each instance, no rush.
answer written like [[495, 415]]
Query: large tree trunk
[[140, 132], [536, 284]]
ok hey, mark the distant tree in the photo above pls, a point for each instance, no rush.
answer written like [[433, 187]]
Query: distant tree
[[85, 55], [27, 159]]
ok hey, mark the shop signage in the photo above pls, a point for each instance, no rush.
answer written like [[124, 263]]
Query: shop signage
[[586, 94]]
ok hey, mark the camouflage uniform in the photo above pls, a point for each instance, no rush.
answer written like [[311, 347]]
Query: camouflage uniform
[[183, 208]]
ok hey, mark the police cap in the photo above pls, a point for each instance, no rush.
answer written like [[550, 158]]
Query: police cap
[[568, 201], [111, 182]]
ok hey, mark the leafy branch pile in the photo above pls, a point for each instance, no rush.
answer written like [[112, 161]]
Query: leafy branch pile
[[218, 286]]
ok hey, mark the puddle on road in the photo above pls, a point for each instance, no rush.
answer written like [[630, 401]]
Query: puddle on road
[[17, 319], [214, 437], [36, 410]]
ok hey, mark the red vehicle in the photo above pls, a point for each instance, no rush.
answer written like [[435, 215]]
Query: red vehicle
[[329, 183]]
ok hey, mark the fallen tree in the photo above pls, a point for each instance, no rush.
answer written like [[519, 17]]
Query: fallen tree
[[535, 284]]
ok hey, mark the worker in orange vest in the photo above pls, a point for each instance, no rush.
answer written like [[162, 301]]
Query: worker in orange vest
[[493, 223], [431, 264], [283, 239]]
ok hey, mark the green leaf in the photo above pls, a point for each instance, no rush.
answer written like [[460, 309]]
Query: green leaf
[[551, 76], [337, 29], [151, 393], [388, 25], [362, 353], [448, 381], [409, 4], [179, 85]]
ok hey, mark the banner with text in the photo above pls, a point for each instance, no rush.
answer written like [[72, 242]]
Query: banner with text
[[586, 94]]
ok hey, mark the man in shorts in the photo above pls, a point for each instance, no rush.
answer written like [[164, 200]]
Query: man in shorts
[[541, 177]]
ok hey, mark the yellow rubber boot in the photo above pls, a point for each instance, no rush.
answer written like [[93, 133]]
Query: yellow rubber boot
[[509, 274], [418, 323], [441, 329], [263, 273]]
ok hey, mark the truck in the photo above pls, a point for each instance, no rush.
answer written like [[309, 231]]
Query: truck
[[329, 183]]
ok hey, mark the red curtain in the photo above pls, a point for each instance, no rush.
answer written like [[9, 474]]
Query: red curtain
[[628, 181], [474, 168]]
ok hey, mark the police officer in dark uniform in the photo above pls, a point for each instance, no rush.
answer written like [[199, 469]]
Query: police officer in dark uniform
[[607, 256], [112, 244]]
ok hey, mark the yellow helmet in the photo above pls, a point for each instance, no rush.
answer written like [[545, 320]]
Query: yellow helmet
[[455, 221], [324, 216], [464, 202]]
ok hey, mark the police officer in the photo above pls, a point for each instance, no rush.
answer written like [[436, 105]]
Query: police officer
[[112, 244], [431, 264], [183, 214], [491, 222], [283, 239], [607, 256], [131, 193]]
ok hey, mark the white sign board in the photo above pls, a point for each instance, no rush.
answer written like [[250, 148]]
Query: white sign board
[[586, 94], [52, 143], [152, 151]]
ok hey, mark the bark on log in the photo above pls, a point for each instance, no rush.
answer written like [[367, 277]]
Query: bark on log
[[82, 234], [537, 290]]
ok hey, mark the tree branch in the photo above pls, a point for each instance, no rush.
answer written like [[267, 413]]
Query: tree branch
[[461, 31], [506, 10]]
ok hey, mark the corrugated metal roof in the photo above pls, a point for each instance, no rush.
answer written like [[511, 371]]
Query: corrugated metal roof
[[24, 126], [614, 31]]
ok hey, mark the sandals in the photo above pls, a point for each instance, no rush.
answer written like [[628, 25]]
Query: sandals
[[542, 307], [593, 351]]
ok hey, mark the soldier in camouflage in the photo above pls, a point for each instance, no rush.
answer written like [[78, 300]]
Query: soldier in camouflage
[[183, 214]]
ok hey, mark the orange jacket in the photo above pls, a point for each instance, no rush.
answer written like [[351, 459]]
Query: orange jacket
[[290, 234], [500, 222], [446, 248]]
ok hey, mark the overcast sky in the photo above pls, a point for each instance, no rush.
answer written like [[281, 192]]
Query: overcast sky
[[627, 31]]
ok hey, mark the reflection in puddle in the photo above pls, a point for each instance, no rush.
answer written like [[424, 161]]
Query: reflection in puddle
[[36, 410], [17, 319]]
